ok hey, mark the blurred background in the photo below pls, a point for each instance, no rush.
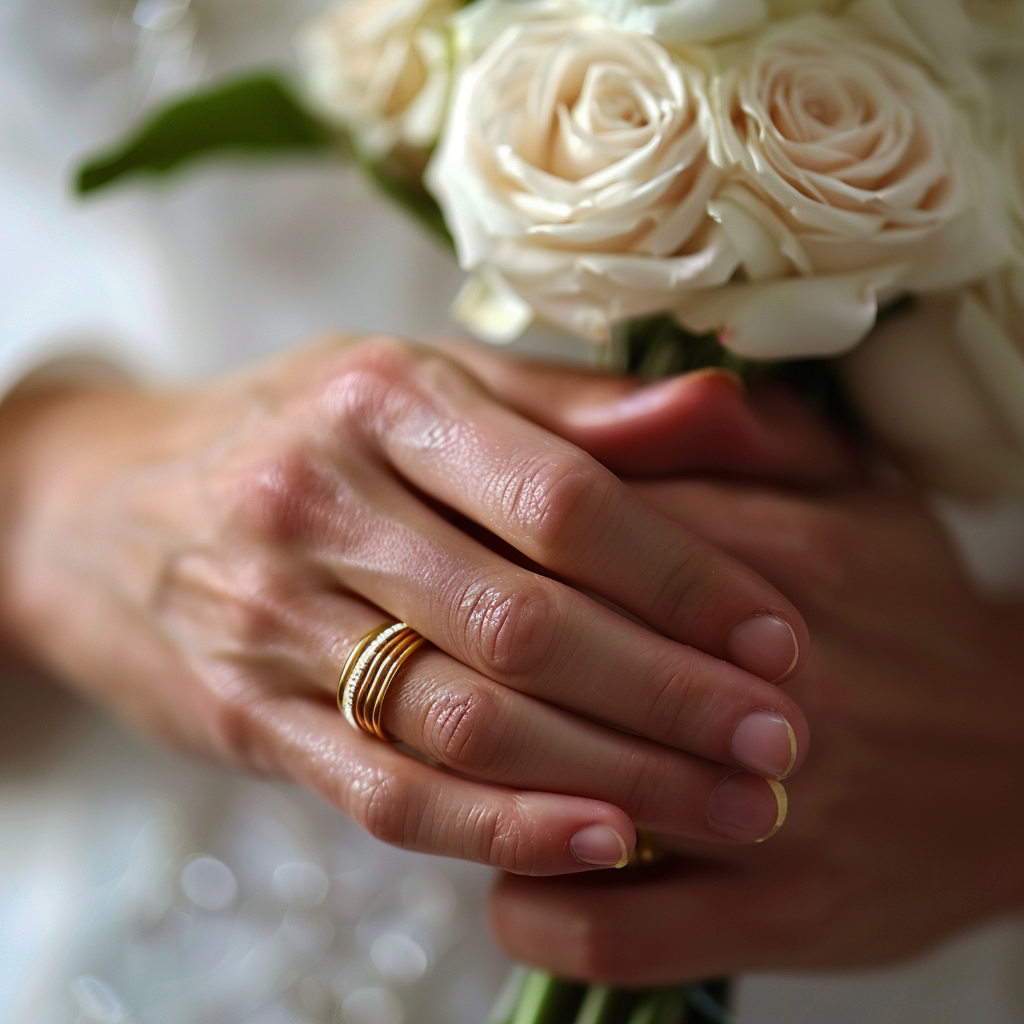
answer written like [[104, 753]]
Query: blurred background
[[136, 885]]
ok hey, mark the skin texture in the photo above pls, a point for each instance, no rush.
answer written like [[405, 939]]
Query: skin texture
[[169, 523], [204, 560], [903, 826]]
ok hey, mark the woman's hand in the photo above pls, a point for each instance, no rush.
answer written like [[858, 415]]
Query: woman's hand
[[204, 560], [904, 824]]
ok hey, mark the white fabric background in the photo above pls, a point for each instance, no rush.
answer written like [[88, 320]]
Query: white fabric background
[[226, 265]]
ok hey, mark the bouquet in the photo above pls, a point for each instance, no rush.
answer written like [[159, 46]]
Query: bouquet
[[684, 183]]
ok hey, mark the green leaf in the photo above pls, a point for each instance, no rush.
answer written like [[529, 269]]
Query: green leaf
[[249, 116], [657, 347]]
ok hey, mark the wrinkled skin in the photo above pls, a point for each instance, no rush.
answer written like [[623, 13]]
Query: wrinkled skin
[[199, 561], [203, 561], [903, 826]]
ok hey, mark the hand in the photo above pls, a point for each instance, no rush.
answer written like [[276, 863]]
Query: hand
[[903, 825], [203, 561]]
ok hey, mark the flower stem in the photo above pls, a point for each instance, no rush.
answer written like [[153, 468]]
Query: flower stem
[[534, 997]]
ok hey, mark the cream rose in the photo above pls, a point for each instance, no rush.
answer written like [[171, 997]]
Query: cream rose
[[944, 386], [573, 173], [853, 177], [381, 69], [683, 21]]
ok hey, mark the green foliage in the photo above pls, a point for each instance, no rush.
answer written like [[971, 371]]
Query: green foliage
[[534, 997], [257, 115], [658, 347]]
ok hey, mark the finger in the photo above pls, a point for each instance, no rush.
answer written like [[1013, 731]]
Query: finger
[[685, 924], [542, 638], [294, 633], [488, 732], [406, 803], [809, 549], [564, 511], [704, 421], [779, 533]]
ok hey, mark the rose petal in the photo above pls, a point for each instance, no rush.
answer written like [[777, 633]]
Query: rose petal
[[759, 254], [912, 386], [996, 360], [488, 308], [683, 21], [792, 319], [574, 167]]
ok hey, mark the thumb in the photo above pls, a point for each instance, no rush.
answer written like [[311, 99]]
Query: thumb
[[701, 422]]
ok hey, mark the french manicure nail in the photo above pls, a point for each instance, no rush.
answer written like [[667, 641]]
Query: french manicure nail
[[765, 646], [747, 808], [783, 800], [599, 846], [765, 743]]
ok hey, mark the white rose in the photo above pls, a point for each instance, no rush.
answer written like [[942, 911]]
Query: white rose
[[854, 178], [381, 69], [683, 21], [573, 173], [944, 386]]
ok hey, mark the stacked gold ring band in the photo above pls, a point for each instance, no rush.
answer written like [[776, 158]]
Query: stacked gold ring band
[[369, 672]]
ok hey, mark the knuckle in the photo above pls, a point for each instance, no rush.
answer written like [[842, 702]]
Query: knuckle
[[257, 616], [554, 499], [507, 631], [234, 722], [467, 728], [686, 582], [279, 501], [384, 806], [503, 841], [387, 357], [369, 380], [224, 609], [681, 702], [634, 772]]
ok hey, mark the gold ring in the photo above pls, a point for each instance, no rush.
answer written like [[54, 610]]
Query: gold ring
[[648, 850], [369, 672]]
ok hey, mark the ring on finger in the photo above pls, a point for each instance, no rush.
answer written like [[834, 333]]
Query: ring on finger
[[371, 669]]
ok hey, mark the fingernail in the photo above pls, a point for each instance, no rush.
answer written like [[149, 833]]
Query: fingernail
[[764, 645], [765, 743], [599, 846], [720, 371], [747, 808], [783, 800]]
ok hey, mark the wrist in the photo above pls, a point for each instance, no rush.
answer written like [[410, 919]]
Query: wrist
[[50, 444]]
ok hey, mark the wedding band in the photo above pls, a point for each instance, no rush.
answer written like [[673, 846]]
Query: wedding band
[[648, 850], [370, 670]]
